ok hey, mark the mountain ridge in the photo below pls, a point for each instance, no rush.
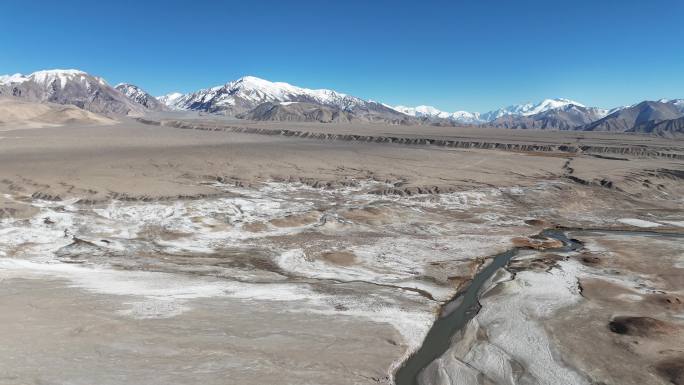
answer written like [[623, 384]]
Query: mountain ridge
[[140, 96], [248, 92], [72, 87], [250, 97], [638, 114], [567, 117]]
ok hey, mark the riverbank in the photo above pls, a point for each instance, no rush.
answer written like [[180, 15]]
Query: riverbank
[[592, 314]]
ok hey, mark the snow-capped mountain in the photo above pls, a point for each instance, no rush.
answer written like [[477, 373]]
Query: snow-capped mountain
[[567, 117], [253, 98], [616, 109], [433, 113], [248, 92], [140, 96], [74, 87], [528, 109], [171, 100], [9, 79], [56, 79]]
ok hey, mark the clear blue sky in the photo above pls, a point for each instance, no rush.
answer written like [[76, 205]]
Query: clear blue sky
[[472, 55]]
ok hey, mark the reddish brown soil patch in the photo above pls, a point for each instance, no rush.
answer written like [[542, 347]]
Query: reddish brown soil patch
[[543, 263], [537, 244]]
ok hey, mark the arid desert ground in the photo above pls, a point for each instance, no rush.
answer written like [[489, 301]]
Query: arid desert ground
[[185, 249]]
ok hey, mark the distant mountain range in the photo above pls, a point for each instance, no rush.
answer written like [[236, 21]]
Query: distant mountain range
[[519, 110], [429, 112], [258, 99]]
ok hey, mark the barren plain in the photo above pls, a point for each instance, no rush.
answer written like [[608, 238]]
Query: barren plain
[[182, 249]]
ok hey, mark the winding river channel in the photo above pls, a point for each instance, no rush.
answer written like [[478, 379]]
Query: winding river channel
[[465, 305]]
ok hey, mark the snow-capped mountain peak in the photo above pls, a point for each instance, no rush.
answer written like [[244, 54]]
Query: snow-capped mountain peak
[[432, 112], [528, 109], [551, 104], [259, 89], [247, 92], [49, 78], [420, 111], [525, 109], [129, 89], [170, 100], [9, 79], [47, 75]]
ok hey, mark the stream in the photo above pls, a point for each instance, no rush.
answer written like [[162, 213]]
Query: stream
[[462, 308]]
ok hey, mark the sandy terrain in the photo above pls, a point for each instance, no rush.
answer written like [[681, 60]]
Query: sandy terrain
[[16, 113], [227, 251]]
